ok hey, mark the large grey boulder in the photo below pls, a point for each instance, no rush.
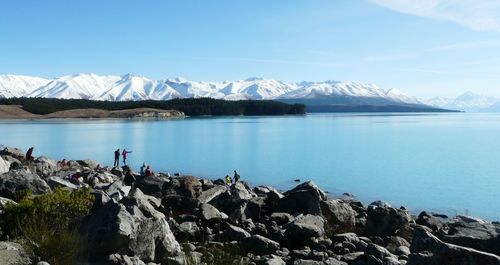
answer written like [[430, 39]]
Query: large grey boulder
[[304, 227], [235, 233], [188, 231], [305, 199], [43, 166], [116, 190], [148, 205], [13, 254], [274, 260], [21, 179], [340, 216], [100, 198], [208, 195], [186, 186], [392, 243], [112, 229], [242, 210], [55, 182], [190, 186], [307, 262], [209, 213], [13, 152], [88, 163], [152, 185], [474, 233], [14, 163], [241, 192], [260, 245], [429, 250], [346, 237], [105, 177], [434, 221], [378, 252], [383, 220], [4, 166], [117, 259], [281, 218]]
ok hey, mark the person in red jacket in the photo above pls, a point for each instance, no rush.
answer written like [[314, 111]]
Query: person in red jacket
[[148, 171]]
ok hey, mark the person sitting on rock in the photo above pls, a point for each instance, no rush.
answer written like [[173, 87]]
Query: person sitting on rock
[[29, 154], [129, 178], [63, 163], [143, 170], [76, 178], [236, 177], [148, 171], [229, 181]]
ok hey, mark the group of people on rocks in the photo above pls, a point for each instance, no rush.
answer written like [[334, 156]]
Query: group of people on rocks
[[124, 154], [146, 171], [145, 168], [230, 181]]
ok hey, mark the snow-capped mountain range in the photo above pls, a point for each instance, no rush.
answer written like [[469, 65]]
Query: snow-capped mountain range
[[469, 102], [132, 87]]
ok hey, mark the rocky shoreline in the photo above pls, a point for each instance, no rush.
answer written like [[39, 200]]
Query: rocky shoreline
[[16, 112], [161, 219]]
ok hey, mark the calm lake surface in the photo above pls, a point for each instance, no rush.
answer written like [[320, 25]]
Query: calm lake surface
[[449, 163]]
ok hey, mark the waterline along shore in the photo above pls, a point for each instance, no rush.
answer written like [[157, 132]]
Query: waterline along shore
[[114, 215]]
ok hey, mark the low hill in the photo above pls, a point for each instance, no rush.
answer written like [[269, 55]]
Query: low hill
[[16, 112], [189, 106]]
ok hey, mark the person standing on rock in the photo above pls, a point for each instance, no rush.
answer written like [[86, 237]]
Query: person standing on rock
[[236, 177], [124, 155], [29, 154], [117, 158]]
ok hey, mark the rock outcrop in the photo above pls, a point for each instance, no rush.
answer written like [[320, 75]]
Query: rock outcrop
[[429, 250], [177, 220], [20, 180]]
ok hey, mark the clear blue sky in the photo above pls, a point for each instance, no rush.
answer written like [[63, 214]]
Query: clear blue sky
[[423, 47]]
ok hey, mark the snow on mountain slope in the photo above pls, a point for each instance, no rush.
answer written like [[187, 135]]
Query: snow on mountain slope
[[19, 85], [132, 87], [397, 95], [257, 88], [468, 101], [85, 86], [313, 90]]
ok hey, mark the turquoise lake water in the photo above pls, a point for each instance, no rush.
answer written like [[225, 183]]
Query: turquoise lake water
[[448, 163]]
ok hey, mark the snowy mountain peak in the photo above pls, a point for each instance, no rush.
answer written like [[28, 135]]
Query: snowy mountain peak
[[134, 87], [252, 79], [19, 85], [469, 95], [468, 101]]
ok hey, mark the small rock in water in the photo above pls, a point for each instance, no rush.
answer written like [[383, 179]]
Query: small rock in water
[[297, 180]]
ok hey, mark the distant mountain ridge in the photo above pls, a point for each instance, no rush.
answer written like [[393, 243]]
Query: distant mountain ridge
[[468, 101], [132, 87]]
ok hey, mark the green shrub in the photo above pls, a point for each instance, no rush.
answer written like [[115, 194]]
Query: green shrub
[[21, 194], [48, 224]]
